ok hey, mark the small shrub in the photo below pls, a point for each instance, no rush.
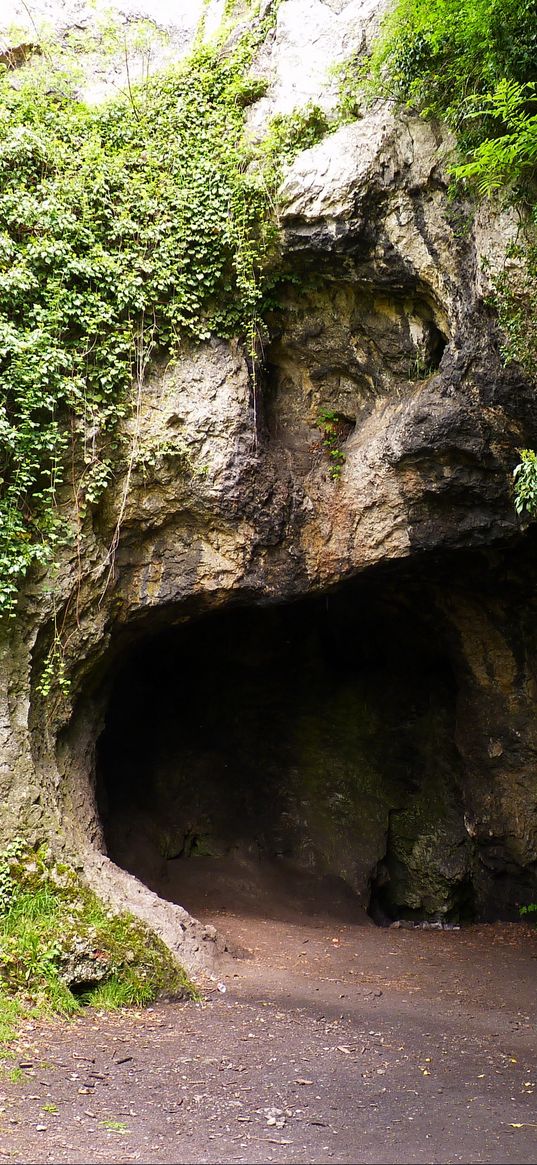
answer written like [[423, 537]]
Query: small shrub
[[525, 478], [289, 133], [334, 428]]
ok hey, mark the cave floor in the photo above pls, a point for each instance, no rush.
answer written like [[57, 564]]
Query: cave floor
[[333, 1041]]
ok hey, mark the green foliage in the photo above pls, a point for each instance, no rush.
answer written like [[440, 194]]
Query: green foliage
[[11, 1013], [60, 948], [288, 133], [525, 476], [473, 63], [333, 428], [354, 82], [113, 1126], [531, 908], [126, 230], [54, 673], [436, 53], [9, 856], [511, 158]]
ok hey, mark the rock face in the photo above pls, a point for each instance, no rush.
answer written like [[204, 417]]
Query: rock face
[[379, 724]]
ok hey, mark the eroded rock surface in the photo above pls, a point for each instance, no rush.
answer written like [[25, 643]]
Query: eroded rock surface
[[233, 499]]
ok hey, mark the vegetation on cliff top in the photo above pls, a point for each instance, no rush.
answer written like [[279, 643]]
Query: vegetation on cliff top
[[473, 64], [440, 53]]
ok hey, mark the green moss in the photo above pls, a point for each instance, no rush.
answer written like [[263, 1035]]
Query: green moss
[[62, 948]]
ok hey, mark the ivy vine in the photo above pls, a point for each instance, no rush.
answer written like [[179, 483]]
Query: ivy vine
[[126, 230]]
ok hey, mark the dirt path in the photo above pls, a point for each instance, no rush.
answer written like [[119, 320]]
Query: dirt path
[[332, 1042]]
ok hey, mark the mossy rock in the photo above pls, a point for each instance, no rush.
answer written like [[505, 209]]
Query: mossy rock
[[61, 947]]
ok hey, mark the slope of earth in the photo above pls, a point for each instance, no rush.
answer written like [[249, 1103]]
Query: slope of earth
[[333, 1041]]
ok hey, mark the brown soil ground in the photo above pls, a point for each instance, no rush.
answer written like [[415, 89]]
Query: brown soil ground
[[335, 1041]]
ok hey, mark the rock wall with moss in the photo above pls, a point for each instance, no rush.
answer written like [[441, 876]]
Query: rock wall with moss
[[330, 404]]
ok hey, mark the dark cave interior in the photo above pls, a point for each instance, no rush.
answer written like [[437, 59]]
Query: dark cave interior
[[304, 748]]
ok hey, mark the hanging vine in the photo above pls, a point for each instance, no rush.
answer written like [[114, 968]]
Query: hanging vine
[[143, 208]]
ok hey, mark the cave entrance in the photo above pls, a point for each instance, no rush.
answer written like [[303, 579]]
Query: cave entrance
[[300, 754]]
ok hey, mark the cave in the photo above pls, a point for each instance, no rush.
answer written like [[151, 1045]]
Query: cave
[[298, 754]]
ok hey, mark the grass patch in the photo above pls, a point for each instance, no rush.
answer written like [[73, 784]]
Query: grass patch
[[112, 1126], [62, 949], [11, 1013]]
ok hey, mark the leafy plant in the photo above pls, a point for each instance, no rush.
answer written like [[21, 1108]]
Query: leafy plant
[[288, 133], [510, 159], [334, 429], [515, 298], [8, 859], [54, 672], [127, 229], [437, 53], [525, 476], [113, 1126]]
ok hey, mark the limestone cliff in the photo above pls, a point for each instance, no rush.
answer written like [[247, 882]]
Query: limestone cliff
[[400, 757]]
